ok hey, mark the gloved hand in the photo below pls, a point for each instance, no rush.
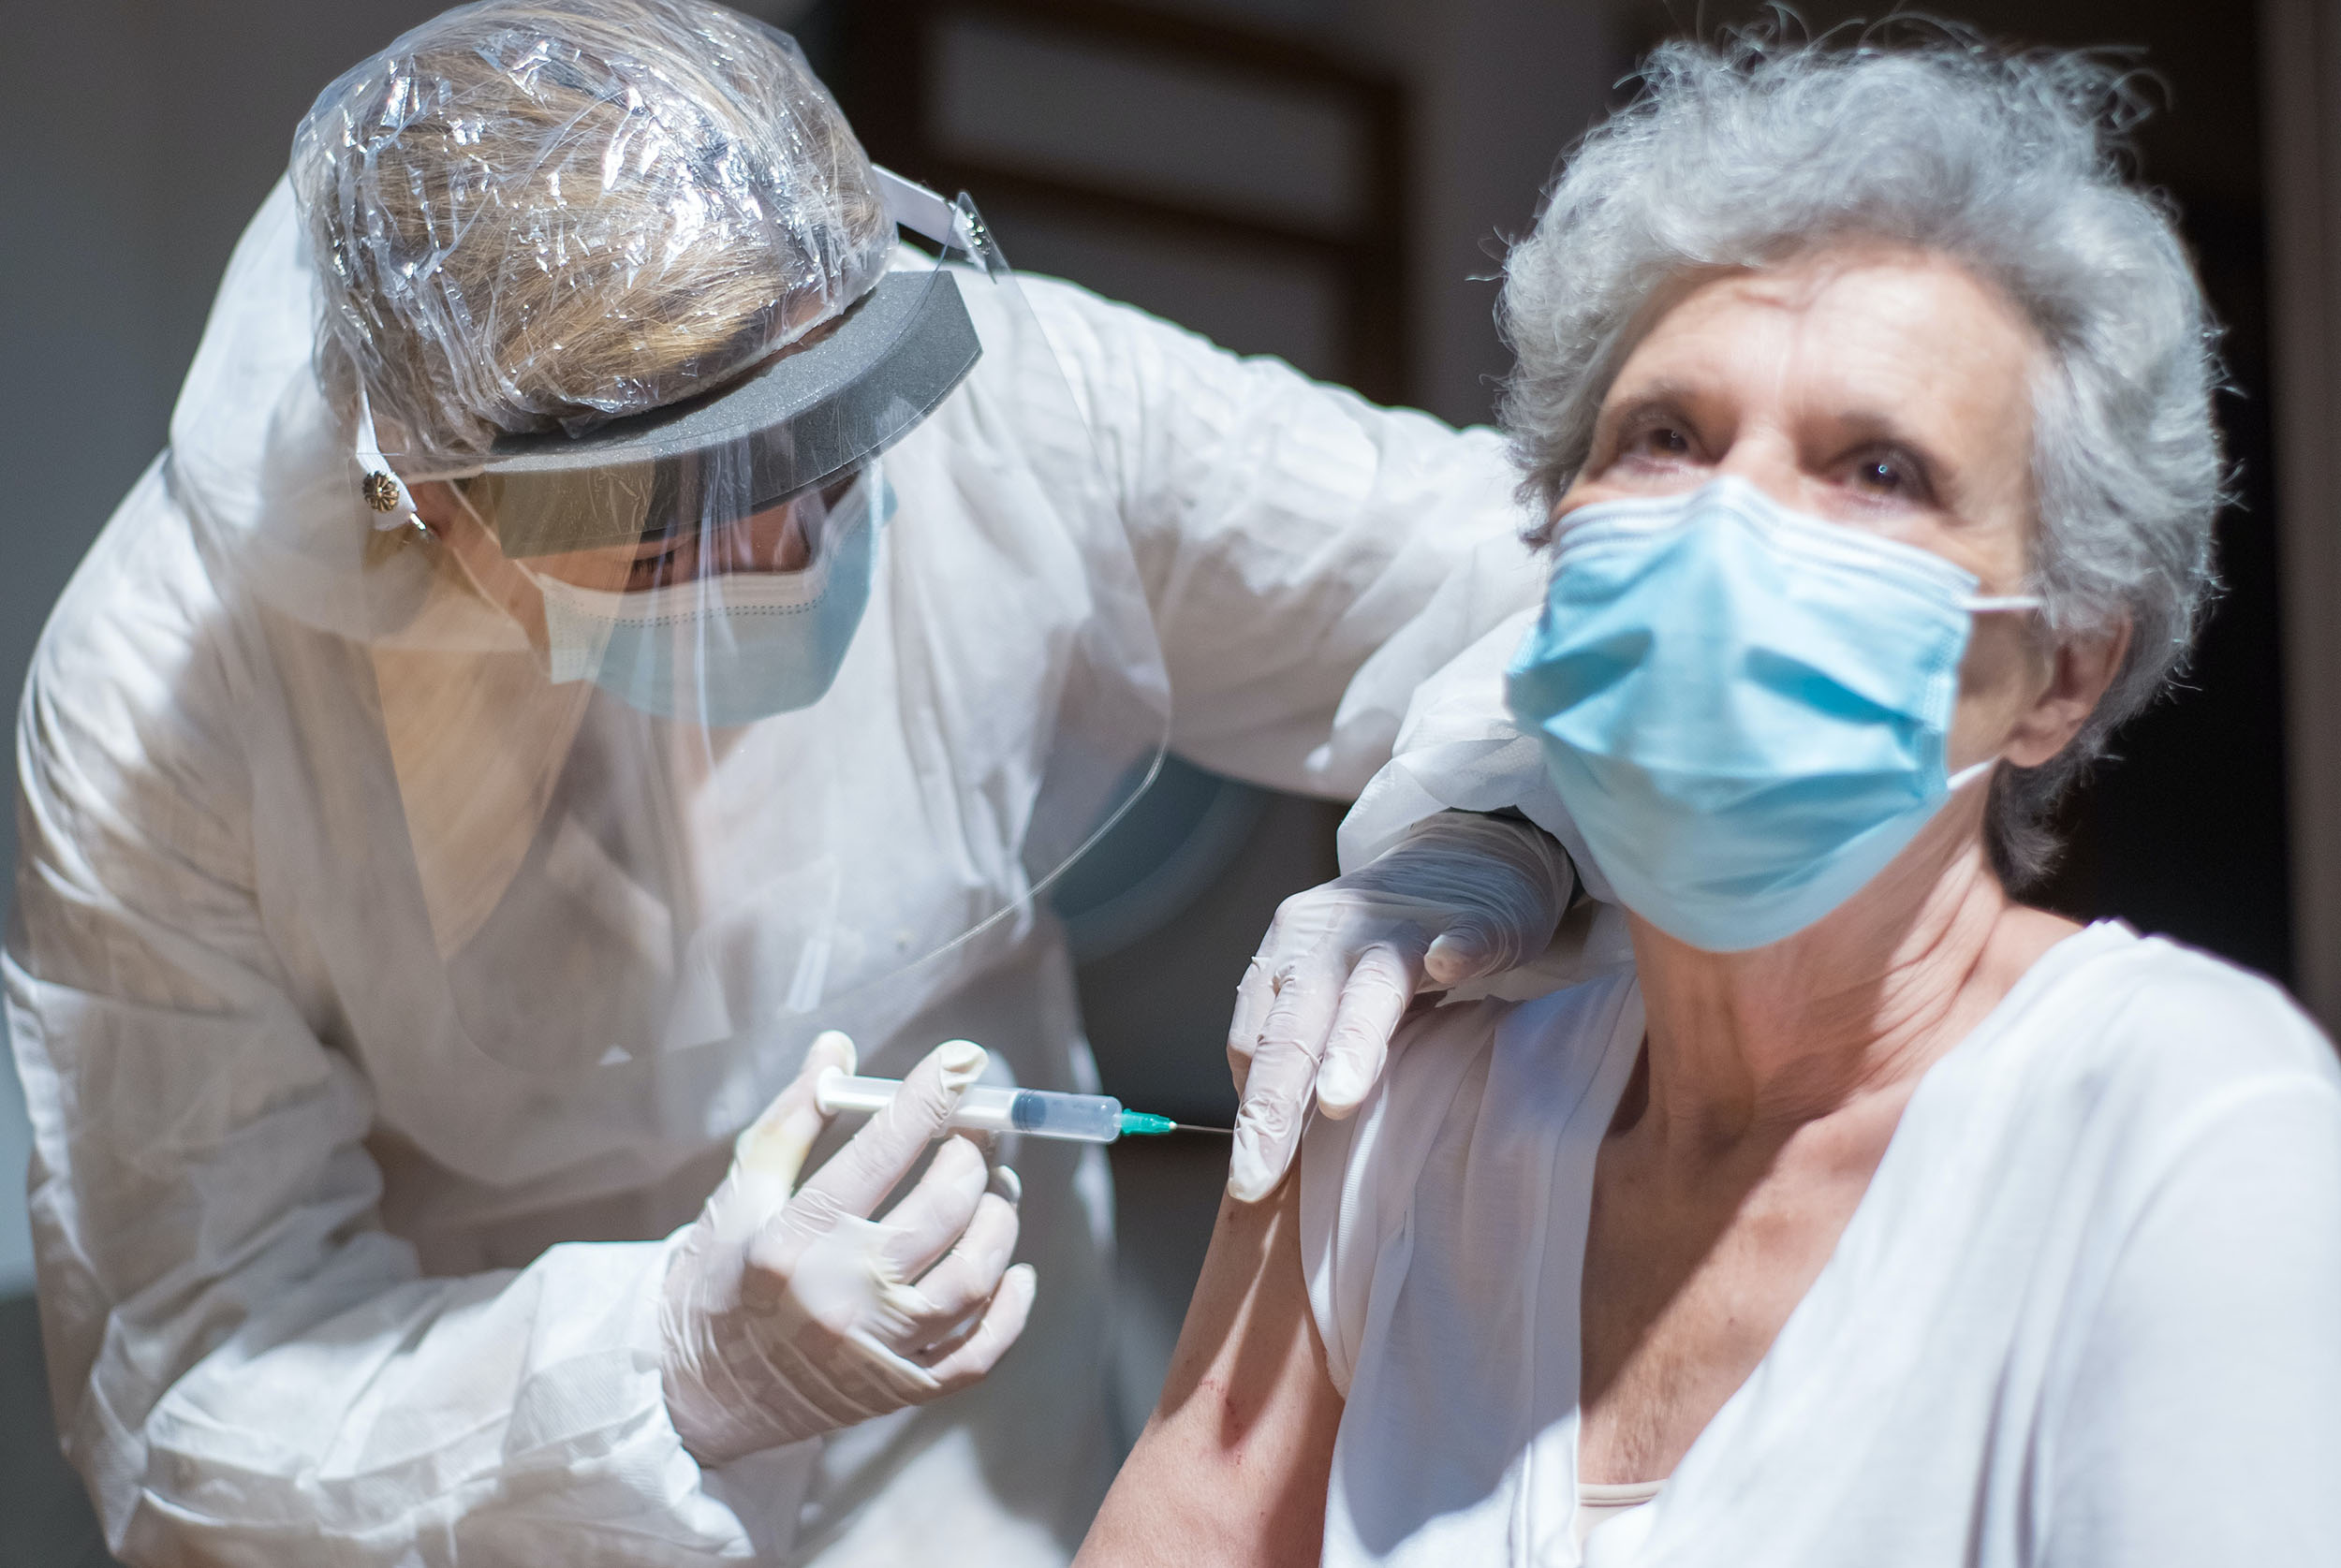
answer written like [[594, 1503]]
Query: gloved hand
[[1461, 897], [786, 1316]]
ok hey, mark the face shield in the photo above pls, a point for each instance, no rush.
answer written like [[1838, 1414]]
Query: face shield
[[713, 718], [709, 562]]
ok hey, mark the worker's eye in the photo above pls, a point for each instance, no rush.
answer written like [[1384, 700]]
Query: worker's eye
[[656, 570]]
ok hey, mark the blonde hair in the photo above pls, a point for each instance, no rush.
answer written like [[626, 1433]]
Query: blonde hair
[[538, 215]]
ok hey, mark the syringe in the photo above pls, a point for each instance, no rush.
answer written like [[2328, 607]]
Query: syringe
[[1035, 1112]]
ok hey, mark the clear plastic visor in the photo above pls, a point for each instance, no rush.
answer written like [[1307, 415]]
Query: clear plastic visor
[[771, 748]]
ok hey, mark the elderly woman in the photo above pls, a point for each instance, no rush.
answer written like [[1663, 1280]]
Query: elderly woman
[[1871, 1216]]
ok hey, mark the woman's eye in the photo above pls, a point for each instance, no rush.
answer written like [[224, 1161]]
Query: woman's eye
[[1890, 474], [1660, 441]]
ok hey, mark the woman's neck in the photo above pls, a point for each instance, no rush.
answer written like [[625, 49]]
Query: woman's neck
[[1859, 1004]]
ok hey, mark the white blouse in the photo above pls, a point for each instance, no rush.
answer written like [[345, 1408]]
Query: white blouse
[[1599, 1501], [2087, 1314]]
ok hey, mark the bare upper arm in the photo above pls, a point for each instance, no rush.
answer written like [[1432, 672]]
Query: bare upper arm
[[1233, 1464]]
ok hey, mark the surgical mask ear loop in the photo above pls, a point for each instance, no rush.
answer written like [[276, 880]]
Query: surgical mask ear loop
[[1991, 603], [1968, 775]]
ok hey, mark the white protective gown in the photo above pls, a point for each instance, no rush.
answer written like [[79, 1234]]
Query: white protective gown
[[324, 1280]]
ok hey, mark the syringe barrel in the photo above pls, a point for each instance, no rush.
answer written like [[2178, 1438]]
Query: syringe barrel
[[1087, 1117], [983, 1109]]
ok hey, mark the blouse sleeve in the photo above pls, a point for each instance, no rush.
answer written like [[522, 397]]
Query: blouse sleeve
[[2202, 1416], [1358, 1175]]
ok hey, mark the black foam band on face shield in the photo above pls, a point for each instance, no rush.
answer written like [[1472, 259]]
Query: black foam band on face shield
[[785, 426]]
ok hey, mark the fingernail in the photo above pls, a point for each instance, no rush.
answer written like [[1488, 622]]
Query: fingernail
[[962, 1060], [1009, 1185], [1248, 1180], [1340, 1084], [1451, 959], [975, 1171], [838, 1043]]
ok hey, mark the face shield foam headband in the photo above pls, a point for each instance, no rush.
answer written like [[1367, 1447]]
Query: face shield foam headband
[[811, 412]]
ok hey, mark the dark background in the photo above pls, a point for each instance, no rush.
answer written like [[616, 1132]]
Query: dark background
[[1328, 180]]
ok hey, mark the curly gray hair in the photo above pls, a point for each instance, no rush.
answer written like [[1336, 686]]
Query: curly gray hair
[[1748, 153]]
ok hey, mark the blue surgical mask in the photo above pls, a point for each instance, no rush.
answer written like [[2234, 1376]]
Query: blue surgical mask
[[731, 647], [1746, 710]]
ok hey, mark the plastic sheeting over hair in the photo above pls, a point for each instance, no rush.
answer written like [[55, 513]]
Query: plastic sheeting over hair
[[538, 215]]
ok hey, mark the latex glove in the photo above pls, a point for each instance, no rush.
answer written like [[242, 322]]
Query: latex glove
[[786, 1315], [1463, 896]]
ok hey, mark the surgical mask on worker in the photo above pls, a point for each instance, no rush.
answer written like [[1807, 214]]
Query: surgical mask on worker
[[1746, 711], [730, 648]]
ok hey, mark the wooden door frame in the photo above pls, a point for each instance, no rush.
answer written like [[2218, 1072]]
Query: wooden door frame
[[2301, 80], [886, 75]]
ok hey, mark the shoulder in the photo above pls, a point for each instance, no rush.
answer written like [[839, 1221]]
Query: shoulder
[[1569, 1025], [1436, 1053], [137, 614], [2161, 1034], [2129, 1078], [127, 699], [1128, 367], [1079, 320], [2230, 1092], [1066, 373], [1103, 349], [1460, 1080], [2202, 1261], [2185, 987]]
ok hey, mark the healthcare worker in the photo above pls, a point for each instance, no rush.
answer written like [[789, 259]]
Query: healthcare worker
[[633, 587]]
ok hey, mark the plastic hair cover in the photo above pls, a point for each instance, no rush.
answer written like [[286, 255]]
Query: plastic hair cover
[[539, 216], [757, 620]]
